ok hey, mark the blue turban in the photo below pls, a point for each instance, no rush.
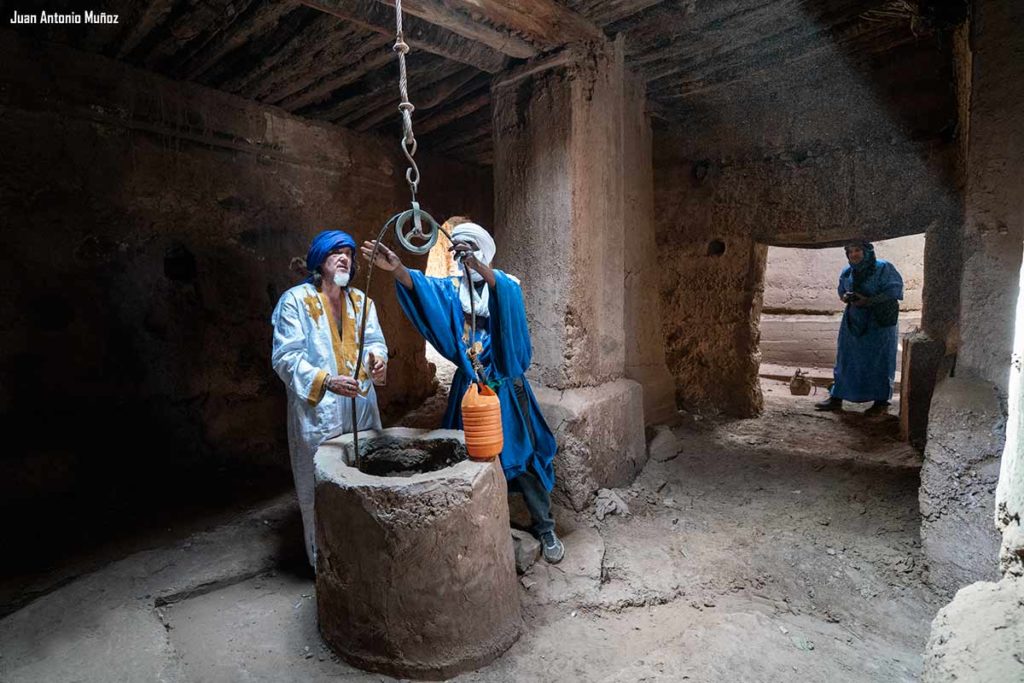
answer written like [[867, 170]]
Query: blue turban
[[323, 244]]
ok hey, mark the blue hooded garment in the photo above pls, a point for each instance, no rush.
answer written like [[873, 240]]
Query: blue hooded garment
[[866, 356], [434, 308]]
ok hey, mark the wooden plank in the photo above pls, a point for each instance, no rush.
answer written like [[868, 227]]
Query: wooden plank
[[480, 152], [385, 99], [190, 30], [152, 17], [607, 12], [320, 90], [374, 90], [420, 35], [316, 50], [515, 74], [470, 137], [453, 113], [544, 22], [473, 129], [262, 51], [439, 14], [284, 85], [423, 99], [264, 18]]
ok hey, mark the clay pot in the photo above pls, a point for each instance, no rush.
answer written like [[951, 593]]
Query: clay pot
[[481, 422]]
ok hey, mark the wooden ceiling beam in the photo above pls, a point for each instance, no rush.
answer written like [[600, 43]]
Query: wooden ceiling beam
[[544, 22], [463, 139], [312, 51], [291, 83], [439, 92], [536, 66], [420, 35], [322, 89], [682, 77], [440, 14], [479, 152], [193, 29], [473, 128], [454, 113], [607, 12], [384, 100], [263, 19], [375, 90], [152, 16]]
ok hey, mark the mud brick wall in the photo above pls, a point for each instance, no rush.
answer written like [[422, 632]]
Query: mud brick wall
[[148, 227], [866, 151]]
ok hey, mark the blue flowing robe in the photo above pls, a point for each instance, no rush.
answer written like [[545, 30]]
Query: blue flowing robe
[[866, 363], [433, 307]]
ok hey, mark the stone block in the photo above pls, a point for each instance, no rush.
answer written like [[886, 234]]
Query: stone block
[[659, 387], [979, 636], [922, 357], [527, 550], [415, 574], [600, 433], [966, 431], [665, 445]]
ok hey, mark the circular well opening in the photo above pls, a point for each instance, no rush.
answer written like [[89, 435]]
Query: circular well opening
[[392, 457]]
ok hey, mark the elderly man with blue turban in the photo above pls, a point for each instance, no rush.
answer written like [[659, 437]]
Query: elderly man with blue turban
[[316, 325], [442, 311]]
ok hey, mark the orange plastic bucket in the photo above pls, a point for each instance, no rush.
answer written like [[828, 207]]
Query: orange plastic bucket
[[481, 422]]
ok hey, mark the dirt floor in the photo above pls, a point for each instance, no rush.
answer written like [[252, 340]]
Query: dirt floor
[[779, 549]]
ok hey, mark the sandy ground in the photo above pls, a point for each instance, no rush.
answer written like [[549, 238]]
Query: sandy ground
[[778, 549]]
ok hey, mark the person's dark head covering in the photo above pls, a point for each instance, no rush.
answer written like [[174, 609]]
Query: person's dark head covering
[[864, 269], [868, 262], [323, 244]]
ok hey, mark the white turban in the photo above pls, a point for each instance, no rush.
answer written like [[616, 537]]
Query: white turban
[[471, 232]]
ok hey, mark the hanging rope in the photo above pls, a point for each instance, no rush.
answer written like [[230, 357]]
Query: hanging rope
[[407, 239], [412, 174]]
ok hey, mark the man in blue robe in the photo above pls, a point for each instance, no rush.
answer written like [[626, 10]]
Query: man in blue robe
[[865, 367], [443, 310]]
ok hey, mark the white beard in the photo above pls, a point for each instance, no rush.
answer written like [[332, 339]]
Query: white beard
[[341, 279]]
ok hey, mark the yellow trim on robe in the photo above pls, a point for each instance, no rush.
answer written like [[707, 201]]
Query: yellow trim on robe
[[319, 388], [345, 347]]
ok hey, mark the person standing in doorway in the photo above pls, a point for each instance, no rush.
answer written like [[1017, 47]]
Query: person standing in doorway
[[314, 353], [865, 367], [441, 310]]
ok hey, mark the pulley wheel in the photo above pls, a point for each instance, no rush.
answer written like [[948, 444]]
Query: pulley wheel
[[419, 236]]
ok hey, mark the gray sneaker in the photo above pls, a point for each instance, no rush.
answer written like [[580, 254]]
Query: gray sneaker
[[551, 548]]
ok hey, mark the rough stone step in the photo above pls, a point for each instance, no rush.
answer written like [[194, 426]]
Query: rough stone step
[[527, 550]]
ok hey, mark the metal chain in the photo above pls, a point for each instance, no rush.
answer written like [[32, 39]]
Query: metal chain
[[412, 174]]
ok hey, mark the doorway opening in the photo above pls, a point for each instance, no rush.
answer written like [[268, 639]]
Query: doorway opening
[[802, 313], [441, 264]]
